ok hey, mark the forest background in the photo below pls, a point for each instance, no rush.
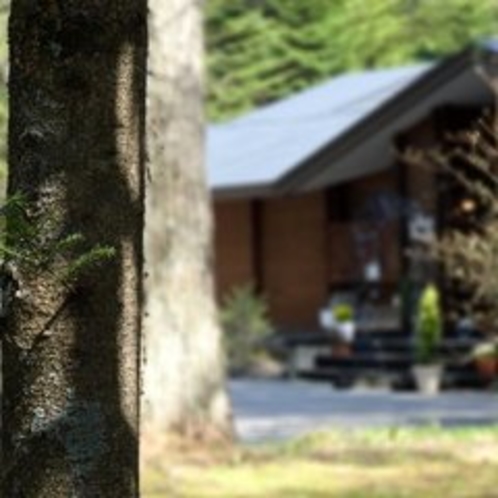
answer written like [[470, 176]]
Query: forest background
[[259, 51]]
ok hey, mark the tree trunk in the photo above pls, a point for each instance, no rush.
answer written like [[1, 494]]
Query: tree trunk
[[184, 372], [76, 153]]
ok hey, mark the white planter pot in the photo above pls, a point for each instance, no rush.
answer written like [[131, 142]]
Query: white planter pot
[[346, 331], [428, 378]]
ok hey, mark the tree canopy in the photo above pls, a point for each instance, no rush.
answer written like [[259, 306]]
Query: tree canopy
[[262, 50]]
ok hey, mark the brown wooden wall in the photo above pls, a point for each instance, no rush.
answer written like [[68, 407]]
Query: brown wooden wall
[[294, 253], [233, 245], [295, 267], [290, 266]]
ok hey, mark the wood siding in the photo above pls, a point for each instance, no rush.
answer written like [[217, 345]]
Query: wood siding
[[234, 245], [295, 265]]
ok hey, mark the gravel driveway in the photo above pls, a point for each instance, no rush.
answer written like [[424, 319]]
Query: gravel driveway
[[278, 409]]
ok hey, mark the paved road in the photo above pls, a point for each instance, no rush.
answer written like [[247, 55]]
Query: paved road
[[278, 409]]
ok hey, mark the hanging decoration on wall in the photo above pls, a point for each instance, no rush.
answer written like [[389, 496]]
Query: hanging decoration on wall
[[422, 228]]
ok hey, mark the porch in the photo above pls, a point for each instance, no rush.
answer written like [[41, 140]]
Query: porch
[[377, 359]]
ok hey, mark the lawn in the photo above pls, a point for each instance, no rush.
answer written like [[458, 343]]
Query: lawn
[[383, 463]]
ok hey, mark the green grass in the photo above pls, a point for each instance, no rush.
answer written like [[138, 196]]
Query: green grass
[[403, 463]]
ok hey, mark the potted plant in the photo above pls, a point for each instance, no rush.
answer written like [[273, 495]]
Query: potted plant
[[344, 327], [344, 321], [427, 370], [485, 357]]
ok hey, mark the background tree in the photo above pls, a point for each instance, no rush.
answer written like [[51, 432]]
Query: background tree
[[184, 371], [70, 345], [468, 244], [260, 51]]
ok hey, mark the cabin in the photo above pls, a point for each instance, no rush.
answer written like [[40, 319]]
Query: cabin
[[315, 201], [314, 198]]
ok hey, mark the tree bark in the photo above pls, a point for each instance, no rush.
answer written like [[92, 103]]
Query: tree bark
[[184, 372], [76, 153]]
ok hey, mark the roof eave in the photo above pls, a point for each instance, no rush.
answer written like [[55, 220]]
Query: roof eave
[[417, 91], [243, 192]]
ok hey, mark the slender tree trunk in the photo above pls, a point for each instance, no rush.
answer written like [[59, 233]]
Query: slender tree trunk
[[184, 372], [76, 130]]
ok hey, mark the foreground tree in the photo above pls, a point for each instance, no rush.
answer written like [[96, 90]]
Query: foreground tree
[[71, 340], [184, 372]]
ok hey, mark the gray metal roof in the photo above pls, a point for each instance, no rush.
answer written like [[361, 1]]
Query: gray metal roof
[[262, 147]]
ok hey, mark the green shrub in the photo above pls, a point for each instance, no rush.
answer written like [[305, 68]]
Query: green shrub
[[244, 316], [429, 325]]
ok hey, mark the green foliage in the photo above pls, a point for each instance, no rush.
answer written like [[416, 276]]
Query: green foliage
[[260, 51], [468, 245], [429, 325], [33, 246], [244, 316], [87, 261], [486, 349], [441, 26], [343, 313]]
